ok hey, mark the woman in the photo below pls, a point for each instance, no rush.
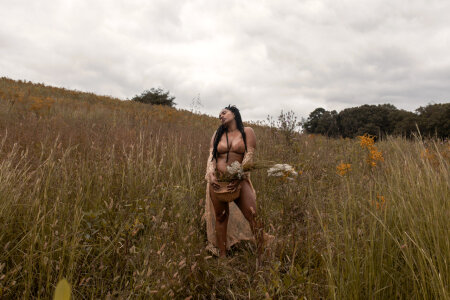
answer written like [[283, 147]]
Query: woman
[[228, 223]]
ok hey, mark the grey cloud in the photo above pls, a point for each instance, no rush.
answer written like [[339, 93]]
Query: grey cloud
[[261, 56]]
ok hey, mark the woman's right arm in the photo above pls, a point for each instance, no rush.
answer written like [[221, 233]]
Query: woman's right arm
[[211, 164]]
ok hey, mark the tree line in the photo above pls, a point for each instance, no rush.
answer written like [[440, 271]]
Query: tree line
[[380, 120]]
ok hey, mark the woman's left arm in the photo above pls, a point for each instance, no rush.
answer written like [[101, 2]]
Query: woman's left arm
[[251, 146], [248, 156]]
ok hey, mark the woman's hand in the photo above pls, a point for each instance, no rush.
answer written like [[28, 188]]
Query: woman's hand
[[213, 181], [233, 184]]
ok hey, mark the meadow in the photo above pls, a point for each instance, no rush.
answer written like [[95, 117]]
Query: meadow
[[109, 194]]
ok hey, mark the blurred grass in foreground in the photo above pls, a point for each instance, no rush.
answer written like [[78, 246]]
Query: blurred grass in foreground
[[108, 194]]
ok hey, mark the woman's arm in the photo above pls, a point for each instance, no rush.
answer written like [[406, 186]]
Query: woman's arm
[[251, 146], [248, 156], [211, 163]]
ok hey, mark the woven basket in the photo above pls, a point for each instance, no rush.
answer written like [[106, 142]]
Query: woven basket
[[224, 195]]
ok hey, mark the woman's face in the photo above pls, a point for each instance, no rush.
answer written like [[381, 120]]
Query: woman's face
[[226, 116]]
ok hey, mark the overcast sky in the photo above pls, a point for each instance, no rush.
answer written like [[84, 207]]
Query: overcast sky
[[262, 56]]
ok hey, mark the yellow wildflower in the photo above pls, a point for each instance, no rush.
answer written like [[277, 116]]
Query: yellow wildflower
[[371, 162], [375, 154], [342, 169], [379, 204], [366, 141]]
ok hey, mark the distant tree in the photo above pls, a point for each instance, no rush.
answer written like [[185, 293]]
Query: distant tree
[[322, 121], [434, 120], [380, 120], [371, 119], [404, 122], [328, 124], [156, 97], [311, 124]]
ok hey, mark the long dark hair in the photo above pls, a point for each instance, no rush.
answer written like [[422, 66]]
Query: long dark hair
[[220, 131]]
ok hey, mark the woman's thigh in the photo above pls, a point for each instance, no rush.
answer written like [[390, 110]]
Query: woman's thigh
[[221, 208], [247, 200]]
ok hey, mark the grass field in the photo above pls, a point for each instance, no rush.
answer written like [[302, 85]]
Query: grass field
[[109, 195]]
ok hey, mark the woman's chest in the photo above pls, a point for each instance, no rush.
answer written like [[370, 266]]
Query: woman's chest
[[235, 144]]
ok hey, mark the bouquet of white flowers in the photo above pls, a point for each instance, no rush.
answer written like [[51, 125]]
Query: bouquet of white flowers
[[282, 170], [236, 171]]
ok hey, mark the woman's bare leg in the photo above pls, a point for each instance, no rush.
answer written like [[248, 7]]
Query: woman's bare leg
[[247, 204], [222, 212]]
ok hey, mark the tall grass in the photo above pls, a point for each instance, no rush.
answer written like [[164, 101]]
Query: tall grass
[[388, 230], [109, 195]]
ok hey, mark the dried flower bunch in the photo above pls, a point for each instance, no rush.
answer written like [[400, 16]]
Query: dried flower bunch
[[282, 170], [237, 171]]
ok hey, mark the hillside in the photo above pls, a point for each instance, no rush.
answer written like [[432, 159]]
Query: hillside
[[109, 194]]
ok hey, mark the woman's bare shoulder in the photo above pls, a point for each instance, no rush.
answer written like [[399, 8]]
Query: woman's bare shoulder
[[251, 137], [248, 129]]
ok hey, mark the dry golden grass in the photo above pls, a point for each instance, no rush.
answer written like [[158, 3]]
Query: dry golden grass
[[108, 194]]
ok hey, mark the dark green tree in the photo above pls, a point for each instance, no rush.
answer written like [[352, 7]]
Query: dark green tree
[[328, 124], [434, 120], [380, 120], [156, 97], [312, 123], [371, 119], [404, 122]]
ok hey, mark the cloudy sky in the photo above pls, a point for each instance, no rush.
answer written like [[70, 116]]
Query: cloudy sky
[[262, 56]]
